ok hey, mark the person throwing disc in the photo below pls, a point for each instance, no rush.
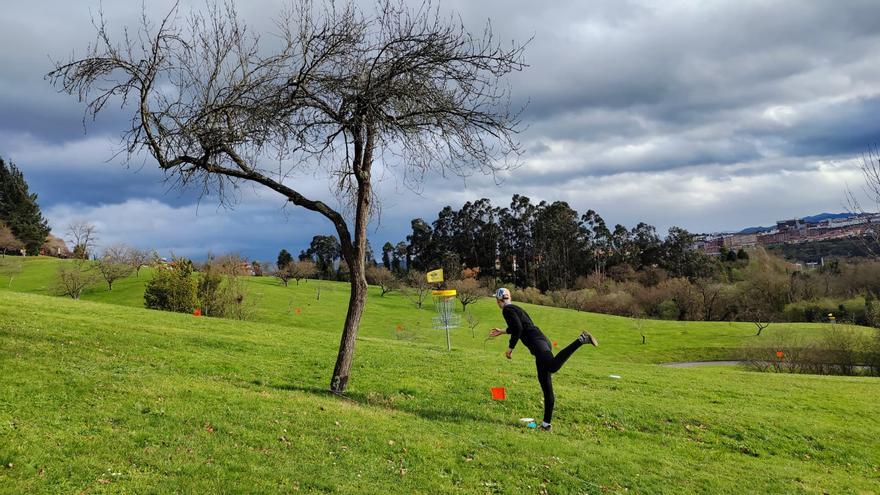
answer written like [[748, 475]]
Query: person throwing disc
[[521, 328]]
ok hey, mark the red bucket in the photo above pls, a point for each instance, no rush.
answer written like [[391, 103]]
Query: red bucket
[[499, 393]]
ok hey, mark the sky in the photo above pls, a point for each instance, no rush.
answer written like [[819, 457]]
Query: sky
[[708, 115]]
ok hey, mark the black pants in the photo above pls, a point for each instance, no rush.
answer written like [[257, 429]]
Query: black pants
[[548, 364]]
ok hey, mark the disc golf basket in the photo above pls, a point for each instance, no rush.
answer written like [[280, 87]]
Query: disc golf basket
[[446, 319]]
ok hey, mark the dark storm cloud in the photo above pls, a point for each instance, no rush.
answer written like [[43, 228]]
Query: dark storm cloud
[[646, 110], [843, 128]]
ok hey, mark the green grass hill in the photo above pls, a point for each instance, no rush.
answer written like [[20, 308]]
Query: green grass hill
[[103, 396]]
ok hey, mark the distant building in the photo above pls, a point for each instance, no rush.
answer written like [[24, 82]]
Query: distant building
[[791, 232], [736, 242]]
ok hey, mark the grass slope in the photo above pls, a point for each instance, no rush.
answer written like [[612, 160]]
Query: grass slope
[[103, 398], [394, 317]]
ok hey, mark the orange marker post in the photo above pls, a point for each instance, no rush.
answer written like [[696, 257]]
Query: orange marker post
[[499, 393], [780, 354]]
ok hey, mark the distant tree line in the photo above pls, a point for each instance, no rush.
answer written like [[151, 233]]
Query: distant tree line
[[545, 245]]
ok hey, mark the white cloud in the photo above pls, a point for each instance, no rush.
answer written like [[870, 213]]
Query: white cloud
[[705, 115]]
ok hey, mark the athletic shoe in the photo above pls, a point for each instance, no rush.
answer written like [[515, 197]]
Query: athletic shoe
[[586, 338], [545, 428]]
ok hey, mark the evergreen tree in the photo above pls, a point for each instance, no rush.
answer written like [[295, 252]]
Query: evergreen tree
[[19, 209], [324, 250], [284, 259], [387, 249]]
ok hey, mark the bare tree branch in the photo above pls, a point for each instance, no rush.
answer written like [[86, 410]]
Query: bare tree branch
[[338, 89]]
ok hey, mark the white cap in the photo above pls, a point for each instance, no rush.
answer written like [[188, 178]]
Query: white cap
[[502, 293]]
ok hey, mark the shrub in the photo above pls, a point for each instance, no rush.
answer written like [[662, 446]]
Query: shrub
[[208, 291], [172, 289], [668, 310], [221, 292], [530, 295], [840, 351], [617, 303], [816, 311], [873, 354], [467, 291], [383, 278], [73, 278]]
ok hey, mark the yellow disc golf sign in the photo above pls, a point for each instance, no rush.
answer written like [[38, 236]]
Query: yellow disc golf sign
[[435, 276]]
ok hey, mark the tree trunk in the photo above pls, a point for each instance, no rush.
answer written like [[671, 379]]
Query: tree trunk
[[354, 254], [356, 302]]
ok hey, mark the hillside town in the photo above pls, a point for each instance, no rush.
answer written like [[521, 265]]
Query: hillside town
[[791, 232]]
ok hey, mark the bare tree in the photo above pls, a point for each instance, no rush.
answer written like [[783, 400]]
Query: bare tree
[[343, 89], [418, 288], [8, 241], [10, 267], [73, 278], [82, 235], [381, 276], [467, 291], [639, 323], [114, 264], [301, 269], [138, 258], [282, 274], [473, 322], [710, 293], [760, 316], [870, 168]]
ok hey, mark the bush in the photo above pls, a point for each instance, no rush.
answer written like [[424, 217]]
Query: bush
[[208, 291], [383, 278], [840, 351], [668, 310], [616, 303], [172, 289], [873, 354], [530, 295], [221, 292], [816, 311]]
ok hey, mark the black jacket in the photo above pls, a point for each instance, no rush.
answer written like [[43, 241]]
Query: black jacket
[[521, 328]]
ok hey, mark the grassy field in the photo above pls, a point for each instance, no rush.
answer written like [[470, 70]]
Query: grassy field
[[113, 398]]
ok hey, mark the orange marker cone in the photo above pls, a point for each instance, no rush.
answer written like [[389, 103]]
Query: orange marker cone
[[555, 344], [499, 393], [298, 311], [197, 312]]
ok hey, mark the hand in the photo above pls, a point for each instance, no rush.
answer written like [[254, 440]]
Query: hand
[[496, 332], [508, 352]]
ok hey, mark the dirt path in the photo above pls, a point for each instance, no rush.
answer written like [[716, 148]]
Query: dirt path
[[692, 364]]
